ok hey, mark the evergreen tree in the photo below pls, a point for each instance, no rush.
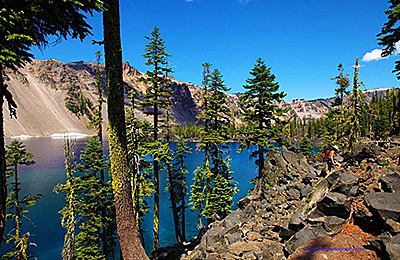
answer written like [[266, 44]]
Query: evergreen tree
[[198, 192], [17, 207], [68, 212], [177, 182], [95, 148], [26, 23], [221, 197], [97, 119], [389, 35], [260, 111], [138, 138], [216, 117], [305, 145], [204, 172], [357, 99], [95, 230], [122, 190], [342, 82], [156, 99]]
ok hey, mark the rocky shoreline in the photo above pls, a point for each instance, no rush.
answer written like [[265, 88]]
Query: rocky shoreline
[[353, 213]]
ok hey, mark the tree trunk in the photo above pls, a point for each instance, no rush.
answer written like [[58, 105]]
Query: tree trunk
[[17, 211], [125, 218], [260, 160], [172, 193], [183, 208], [156, 225], [3, 181], [172, 196]]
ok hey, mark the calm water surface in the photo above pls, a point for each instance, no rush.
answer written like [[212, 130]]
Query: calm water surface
[[49, 171]]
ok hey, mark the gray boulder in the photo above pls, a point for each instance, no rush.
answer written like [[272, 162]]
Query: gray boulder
[[303, 236], [393, 247], [346, 182], [391, 182], [334, 205], [386, 204]]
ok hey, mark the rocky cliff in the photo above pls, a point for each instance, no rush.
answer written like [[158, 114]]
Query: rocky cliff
[[353, 213], [40, 89]]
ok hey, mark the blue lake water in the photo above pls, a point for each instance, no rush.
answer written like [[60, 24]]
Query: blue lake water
[[49, 171]]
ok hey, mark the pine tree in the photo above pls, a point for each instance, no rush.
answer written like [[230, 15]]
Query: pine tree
[[357, 99], [221, 198], [156, 99], [17, 207], [198, 192], [204, 145], [138, 137], [342, 82], [95, 230], [97, 120], [122, 190], [216, 117], [389, 35], [177, 182], [260, 111], [103, 189], [305, 145], [68, 212]]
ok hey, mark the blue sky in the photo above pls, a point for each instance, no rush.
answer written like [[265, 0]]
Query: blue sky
[[302, 40]]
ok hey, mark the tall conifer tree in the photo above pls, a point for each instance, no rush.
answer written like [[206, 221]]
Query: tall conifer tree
[[155, 100], [177, 182], [260, 110], [356, 101], [17, 206]]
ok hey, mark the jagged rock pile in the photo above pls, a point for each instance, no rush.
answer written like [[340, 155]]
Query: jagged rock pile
[[354, 213]]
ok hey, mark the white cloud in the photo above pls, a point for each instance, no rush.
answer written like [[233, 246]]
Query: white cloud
[[243, 2], [377, 53], [373, 55], [189, 0], [397, 45]]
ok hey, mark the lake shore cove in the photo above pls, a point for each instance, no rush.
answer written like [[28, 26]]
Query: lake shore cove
[[353, 213]]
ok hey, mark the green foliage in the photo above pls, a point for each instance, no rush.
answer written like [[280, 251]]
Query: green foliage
[[155, 100], [156, 81], [389, 35], [197, 191], [342, 82], [177, 182], [221, 198], [26, 23], [260, 111], [305, 145], [93, 195], [96, 120], [139, 139], [17, 206], [78, 104], [356, 107], [187, 131], [216, 118], [68, 212]]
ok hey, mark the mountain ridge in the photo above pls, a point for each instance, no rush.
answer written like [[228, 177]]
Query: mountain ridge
[[41, 87]]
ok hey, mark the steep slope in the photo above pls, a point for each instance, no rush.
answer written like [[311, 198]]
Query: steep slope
[[41, 110]]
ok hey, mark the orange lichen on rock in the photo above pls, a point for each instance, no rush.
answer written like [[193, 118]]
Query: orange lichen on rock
[[351, 230]]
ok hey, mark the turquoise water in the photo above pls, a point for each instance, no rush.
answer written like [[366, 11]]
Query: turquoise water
[[49, 171]]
